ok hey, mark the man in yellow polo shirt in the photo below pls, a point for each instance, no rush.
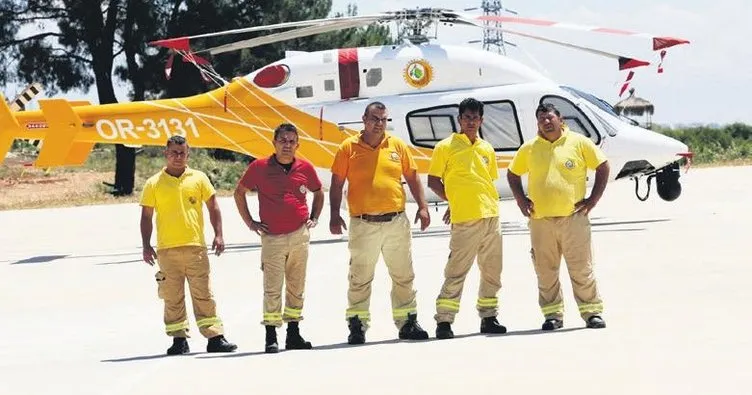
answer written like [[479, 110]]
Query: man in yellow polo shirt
[[177, 194], [374, 163], [556, 162], [463, 169]]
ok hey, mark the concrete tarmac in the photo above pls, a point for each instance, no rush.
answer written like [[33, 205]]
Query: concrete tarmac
[[80, 310]]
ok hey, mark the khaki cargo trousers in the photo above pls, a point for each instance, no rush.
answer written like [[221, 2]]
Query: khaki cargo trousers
[[283, 261], [368, 240], [552, 238], [176, 265], [481, 238]]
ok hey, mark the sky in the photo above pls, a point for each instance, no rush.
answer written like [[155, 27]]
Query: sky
[[703, 82]]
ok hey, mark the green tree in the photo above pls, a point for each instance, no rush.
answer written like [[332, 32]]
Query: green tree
[[74, 44], [70, 44]]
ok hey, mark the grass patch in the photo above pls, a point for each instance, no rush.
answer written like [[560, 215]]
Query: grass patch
[[223, 173], [716, 146], [23, 187]]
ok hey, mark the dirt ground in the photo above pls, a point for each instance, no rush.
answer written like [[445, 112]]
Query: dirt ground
[[24, 188]]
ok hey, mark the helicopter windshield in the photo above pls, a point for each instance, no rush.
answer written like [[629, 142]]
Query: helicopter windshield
[[600, 103]]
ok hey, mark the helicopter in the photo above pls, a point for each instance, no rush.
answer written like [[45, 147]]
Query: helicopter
[[324, 94]]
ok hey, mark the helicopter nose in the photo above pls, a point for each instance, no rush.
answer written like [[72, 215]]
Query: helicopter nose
[[637, 144]]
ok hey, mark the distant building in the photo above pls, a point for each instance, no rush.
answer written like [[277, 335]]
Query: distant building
[[634, 106]]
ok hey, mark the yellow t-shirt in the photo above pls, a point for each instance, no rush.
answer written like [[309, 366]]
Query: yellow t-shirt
[[468, 172], [557, 171], [178, 203], [374, 175]]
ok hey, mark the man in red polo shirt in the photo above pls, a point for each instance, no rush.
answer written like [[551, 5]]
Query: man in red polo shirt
[[281, 182]]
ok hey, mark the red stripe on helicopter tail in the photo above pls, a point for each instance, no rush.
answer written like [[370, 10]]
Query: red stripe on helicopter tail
[[629, 63], [666, 42], [349, 73]]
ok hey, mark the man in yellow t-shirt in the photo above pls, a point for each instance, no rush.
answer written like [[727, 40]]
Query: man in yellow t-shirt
[[462, 171], [177, 194], [556, 162], [373, 163]]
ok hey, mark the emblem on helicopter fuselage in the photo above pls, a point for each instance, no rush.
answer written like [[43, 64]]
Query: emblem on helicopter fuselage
[[418, 73]]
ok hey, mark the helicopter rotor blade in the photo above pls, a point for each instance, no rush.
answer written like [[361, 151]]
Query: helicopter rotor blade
[[290, 34], [180, 42], [657, 41], [624, 61]]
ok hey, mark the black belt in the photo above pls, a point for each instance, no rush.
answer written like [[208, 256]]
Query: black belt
[[386, 217]]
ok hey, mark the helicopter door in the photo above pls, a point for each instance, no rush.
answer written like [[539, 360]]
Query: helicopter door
[[575, 119]]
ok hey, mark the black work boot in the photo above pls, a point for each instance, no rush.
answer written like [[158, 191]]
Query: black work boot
[[596, 322], [444, 330], [220, 344], [357, 333], [491, 325], [271, 346], [412, 330], [179, 346], [294, 341], [552, 323]]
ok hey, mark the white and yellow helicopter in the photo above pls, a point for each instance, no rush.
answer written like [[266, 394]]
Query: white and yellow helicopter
[[324, 94]]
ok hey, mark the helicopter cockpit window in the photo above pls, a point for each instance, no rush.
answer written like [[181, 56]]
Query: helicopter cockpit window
[[500, 126], [429, 126], [575, 119]]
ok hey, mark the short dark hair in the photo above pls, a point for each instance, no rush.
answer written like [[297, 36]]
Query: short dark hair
[[285, 127], [375, 104], [176, 139], [471, 104], [545, 108]]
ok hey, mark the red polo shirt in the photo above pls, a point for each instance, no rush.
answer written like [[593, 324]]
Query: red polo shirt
[[282, 195]]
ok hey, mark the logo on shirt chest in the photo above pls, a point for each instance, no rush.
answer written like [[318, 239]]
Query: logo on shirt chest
[[394, 156], [192, 199], [303, 189], [485, 160], [569, 164]]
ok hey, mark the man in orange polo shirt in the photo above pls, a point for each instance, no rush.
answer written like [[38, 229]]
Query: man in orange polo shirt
[[282, 182], [373, 163], [177, 194]]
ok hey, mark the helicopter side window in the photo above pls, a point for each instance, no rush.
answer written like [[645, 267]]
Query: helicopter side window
[[575, 119], [429, 126], [304, 91], [373, 77], [501, 127]]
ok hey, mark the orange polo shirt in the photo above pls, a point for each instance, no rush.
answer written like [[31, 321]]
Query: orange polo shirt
[[374, 175]]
